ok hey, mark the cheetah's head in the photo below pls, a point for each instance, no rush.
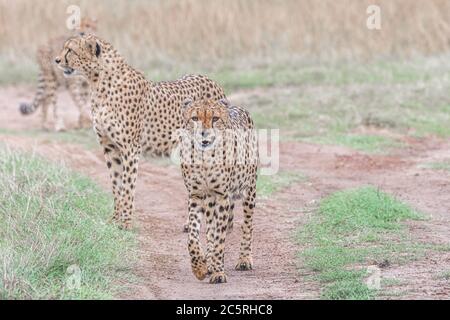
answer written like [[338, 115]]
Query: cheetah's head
[[205, 120], [88, 25], [80, 54]]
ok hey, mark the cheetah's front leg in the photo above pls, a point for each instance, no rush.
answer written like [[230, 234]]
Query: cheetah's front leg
[[230, 218], [198, 261], [245, 256], [114, 163], [130, 161], [219, 227], [209, 205]]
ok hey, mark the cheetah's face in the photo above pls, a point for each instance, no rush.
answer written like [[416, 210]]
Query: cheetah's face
[[88, 24], [79, 55], [206, 120]]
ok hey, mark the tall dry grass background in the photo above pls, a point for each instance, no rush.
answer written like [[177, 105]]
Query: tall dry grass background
[[237, 32]]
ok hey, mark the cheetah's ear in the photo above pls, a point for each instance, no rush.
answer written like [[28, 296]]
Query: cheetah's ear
[[93, 46], [224, 102], [98, 50]]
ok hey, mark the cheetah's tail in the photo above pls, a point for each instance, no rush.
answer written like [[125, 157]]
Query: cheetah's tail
[[28, 108]]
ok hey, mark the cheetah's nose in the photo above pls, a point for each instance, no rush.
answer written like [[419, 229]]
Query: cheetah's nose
[[205, 143], [57, 60]]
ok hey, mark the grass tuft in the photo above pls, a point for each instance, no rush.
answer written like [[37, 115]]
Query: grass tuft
[[352, 289], [444, 275], [351, 229], [365, 143], [53, 222], [267, 185], [443, 165]]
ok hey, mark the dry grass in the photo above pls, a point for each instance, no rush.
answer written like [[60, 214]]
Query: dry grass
[[234, 32]]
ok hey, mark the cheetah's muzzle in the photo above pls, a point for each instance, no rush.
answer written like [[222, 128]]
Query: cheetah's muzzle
[[68, 71]]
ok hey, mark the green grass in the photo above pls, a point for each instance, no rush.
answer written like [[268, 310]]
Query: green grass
[[327, 103], [333, 103], [352, 228], [268, 185], [337, 113], [300, 73], [12, 72], [280, 73], [51, 219], [444, 275], [365, 143], [352, 289], [443, 165]]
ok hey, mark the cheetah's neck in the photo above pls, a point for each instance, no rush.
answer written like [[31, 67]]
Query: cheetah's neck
[[110, 63]]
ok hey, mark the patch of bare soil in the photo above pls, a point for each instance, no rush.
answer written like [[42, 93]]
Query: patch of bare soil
[[163, 269]]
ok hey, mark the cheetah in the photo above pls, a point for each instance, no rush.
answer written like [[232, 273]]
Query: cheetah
[[51, 78], [131, 115], [219, 162]]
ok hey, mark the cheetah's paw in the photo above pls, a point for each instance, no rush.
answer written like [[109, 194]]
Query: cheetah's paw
[[59, 127], [244, 264], [123, 225], [200, 270], [218, 277]]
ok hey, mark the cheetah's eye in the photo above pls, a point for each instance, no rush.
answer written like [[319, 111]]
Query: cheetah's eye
[[194, 118], [215, 119]]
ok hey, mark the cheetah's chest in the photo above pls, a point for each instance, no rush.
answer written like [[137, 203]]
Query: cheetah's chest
[[106, 124], [207, 180]]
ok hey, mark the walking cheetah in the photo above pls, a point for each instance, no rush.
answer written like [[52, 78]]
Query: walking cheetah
[[51, 78], [130, 114], [219, 160]]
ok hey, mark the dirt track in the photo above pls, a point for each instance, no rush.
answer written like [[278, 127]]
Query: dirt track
[[163, 269]]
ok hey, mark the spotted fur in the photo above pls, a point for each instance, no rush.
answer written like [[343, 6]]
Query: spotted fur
[[130, 114], [219, 160]]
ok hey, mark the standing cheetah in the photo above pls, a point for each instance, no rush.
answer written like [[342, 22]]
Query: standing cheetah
[[51, 78], [130, 114], [219, 160]]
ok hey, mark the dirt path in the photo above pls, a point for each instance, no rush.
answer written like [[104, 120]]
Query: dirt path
[[163, 270]]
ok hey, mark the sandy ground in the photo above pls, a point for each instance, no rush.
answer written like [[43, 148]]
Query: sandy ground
[[163, 270]]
